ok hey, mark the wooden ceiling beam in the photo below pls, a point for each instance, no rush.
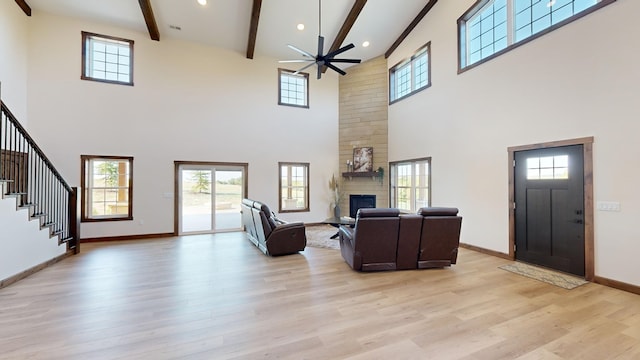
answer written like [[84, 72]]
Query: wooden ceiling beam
[[253, 28], [357, 7], [24, 6], [152, 26], [410, 28]]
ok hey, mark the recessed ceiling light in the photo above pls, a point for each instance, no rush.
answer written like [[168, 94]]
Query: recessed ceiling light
[[202, 2], [300, 27], [365, 44]]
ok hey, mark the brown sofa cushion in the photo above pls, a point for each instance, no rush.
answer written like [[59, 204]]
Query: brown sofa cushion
[[377, 212], [438, 211]]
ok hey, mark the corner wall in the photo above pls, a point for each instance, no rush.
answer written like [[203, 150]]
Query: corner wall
[[363, 123], [577, 81]]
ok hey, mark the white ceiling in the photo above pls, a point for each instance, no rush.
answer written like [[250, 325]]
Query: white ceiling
[[225, 23]]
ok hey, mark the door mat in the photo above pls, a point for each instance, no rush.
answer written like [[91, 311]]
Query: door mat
[[320, 237], [548, 276]]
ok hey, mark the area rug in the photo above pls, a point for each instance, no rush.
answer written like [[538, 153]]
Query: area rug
[[320, 236], [548, 276]]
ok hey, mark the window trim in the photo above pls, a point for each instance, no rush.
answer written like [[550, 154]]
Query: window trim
[[479, 5], [392, 183], [85, 160], [406, 61], [83, 76], [307, 207], [291, 72]]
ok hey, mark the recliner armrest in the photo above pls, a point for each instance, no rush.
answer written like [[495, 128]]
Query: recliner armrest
[[346, 231]]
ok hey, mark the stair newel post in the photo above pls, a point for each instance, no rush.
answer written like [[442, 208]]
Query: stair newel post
[[74, 219]]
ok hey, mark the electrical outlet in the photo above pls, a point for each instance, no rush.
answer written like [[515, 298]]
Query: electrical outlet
[[608, 205]]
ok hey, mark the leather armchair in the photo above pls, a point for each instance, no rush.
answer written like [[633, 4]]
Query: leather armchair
[[440, 237], [372, 243], [270, 234]]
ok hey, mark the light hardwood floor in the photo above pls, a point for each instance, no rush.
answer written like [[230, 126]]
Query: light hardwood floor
[[218, 297]]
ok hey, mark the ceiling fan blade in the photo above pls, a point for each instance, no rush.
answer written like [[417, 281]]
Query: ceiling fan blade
[[304, 53], [340, 51], [297, 61], [352, 61], [303, 68], [320, 45], [319, 72], [334, 68]]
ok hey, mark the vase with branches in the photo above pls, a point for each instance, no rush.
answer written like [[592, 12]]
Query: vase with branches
[[334, 185]]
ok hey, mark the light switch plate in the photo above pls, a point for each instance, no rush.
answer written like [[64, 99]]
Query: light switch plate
[[608, 205]]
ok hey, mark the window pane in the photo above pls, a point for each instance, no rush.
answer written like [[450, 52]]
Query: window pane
[[107, 188], [485, 31], [107, 59], [293, 89]]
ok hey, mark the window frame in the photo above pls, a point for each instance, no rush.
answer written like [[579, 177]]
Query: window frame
[[410, 61], [393, 181], [86, 37], [289, 165], [479, 5], [287, 72], [85, 178]]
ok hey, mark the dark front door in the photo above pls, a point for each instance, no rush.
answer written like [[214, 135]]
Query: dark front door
[[549, 208]]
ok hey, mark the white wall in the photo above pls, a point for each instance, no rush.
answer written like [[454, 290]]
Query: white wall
[[22, 244], [189, 103], [14, 35], [580, 80]]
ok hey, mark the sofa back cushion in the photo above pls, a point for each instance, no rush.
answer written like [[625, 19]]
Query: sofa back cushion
[[438, 211], [376, 235]]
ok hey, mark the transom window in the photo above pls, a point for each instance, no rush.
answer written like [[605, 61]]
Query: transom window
[[107, 59], [410, 75], [410, 184], [108, 188], [492, 27], [294, 187], [548, 168], [293, 89]]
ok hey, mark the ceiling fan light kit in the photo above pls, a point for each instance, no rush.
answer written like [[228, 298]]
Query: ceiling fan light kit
[[322, 60]]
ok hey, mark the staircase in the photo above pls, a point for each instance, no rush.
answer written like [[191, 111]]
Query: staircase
[[28, 176]]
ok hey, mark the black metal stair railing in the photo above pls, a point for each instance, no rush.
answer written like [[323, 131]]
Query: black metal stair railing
[[29, 176]]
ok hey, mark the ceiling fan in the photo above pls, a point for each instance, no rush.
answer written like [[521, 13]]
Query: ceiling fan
[[322, 60]]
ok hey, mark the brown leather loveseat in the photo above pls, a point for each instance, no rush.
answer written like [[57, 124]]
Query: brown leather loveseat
[[270, 234], [384, 239]]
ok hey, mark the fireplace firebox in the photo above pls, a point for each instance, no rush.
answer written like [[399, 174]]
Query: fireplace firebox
[[360, 201]]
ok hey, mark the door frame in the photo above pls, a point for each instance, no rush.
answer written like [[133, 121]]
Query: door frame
[[587, 149], [176, 185]]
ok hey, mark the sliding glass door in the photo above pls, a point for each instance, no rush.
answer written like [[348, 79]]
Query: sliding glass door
[[209, 198]]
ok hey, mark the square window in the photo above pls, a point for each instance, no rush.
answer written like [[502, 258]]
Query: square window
[[107, 59], [293, 88]]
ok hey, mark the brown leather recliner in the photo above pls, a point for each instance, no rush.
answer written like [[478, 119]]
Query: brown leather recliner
[[270, 234], [372, 243], [440, 237]]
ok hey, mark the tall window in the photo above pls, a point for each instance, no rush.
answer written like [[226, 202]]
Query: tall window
[[410, 184], [107, 188], [492, 27], [294, 187], [107, 59], [293, 89], [410, 75]]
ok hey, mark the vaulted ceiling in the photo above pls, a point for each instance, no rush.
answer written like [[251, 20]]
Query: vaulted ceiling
[[256, 28]]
